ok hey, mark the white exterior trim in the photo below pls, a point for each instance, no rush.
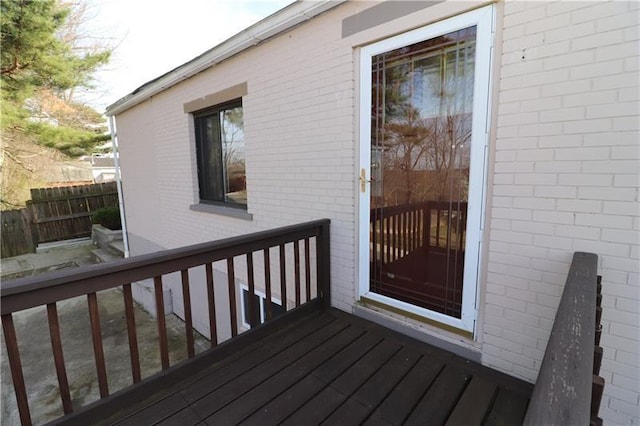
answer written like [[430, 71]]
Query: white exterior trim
[[483, 19], [261, 301]]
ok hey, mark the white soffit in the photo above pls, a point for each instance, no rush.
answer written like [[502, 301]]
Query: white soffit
[[282, 20]]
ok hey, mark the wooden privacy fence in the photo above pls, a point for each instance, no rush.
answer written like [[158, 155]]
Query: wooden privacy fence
[[54, 214], [273, 246], [17, 235]]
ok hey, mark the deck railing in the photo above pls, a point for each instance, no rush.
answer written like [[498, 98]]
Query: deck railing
[[312, 239], [568, 389], [396, 231]]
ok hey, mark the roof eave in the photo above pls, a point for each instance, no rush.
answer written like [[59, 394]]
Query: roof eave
[[281, 21]]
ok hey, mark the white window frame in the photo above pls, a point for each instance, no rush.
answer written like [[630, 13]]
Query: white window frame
[[263, 300], [483, 19]]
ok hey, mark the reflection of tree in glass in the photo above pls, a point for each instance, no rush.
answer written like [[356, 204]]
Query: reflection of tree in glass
[[422, 119], [233, 152]]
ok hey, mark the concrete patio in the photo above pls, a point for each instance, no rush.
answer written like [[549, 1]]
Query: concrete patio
[[49, 257], [35, 345]]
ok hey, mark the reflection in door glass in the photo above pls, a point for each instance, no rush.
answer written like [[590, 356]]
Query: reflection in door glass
[[420, 151]]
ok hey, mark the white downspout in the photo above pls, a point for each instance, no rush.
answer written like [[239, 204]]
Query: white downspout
[[116, 162]]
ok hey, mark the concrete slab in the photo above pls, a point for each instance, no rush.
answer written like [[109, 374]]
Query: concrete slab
[[48, 259], [103, 256], [45, 247], [37, 360], [35, 344], [13, 266]]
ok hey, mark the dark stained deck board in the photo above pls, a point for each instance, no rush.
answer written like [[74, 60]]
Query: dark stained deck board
[[474, 403], [161, 410], [187, 417], [288, 401], [357, 408], [221, 373], [436, 405], [508, 409], [209, 382], [263, 393], [242, 384], [334, 368], [399, 404], [322, 405]]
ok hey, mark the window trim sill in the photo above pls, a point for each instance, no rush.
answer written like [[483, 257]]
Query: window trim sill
[[221, 210]]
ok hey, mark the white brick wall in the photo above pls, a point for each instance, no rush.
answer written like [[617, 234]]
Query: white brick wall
[[565, 171], [566, 157], [300, 149]]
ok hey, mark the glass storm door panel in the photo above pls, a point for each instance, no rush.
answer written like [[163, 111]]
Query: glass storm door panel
[[426, 145], [421, 132]]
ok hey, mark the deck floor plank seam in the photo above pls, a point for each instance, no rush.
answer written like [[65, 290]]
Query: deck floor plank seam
[[283, 404], [259, 395], [508, 408], [208, 382], [236, 388], [336, 369], [474, 403], [438, 402], [239, 369], [407, 394], [306, 326], [329, 399], [370, 395]]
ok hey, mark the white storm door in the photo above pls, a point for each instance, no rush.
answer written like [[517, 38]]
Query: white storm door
[[424, 134]]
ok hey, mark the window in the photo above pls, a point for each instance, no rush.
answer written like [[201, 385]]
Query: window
[[261, 306], [221, 155]]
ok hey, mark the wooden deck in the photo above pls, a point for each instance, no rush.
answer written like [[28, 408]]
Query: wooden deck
[[311, 365], [326, 367]]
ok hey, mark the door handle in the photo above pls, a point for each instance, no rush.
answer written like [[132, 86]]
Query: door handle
[[363, 180]]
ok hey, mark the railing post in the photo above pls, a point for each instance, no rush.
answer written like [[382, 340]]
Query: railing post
[[188, 320], [162, 326], [283, 276], [211, 299], [324, 264], [267, 284], [16, 368], [30, 292], [296, 270], [58, 357], [307, 270], [254, 309], [130, 316], [231, 283], [98, 350], [427, 225]]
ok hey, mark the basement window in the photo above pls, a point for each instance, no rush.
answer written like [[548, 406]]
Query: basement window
[[260, 306], [221, 155]]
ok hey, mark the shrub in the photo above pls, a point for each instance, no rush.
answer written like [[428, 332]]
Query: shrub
[[109, 217]]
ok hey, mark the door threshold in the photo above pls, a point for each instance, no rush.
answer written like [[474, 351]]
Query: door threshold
[[366, 301], [457, 347]]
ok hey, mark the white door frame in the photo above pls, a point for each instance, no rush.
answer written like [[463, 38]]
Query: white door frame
[[483, 19]]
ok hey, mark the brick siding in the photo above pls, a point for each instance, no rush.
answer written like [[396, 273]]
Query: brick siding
[[566, 179], [565, 168]]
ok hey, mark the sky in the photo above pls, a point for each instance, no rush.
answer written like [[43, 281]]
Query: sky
[[151, 37]]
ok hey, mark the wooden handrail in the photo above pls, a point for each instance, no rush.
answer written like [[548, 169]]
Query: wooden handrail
[[86, 281], [562, 393], [27, 292]]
